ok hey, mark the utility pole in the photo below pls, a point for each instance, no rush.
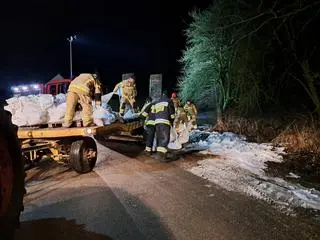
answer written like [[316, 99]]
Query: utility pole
[[71, 39]]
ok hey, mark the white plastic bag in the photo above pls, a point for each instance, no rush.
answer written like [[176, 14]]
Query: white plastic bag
[[103, 116], [183, 134], [106, 98], [174, 140], [130, 114]]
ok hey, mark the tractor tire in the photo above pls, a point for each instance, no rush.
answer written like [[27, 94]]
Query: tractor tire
[[80, 162], [12, 177]]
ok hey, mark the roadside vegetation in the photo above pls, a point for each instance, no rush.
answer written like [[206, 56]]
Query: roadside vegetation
[[258, 66]]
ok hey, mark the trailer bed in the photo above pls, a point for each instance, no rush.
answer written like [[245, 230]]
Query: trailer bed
[[60, 132]]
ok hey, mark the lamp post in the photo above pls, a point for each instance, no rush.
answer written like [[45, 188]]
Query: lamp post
[[71, 39]]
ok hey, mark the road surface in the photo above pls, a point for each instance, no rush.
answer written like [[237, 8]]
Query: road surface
[[129, 196]]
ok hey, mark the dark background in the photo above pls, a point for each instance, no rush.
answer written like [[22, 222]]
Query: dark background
[[115, 37]]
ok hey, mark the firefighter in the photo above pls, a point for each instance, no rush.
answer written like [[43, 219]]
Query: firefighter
[[149, 125], [82, 89], [129, 93], [146, 106], [180, 118], [192, 112], [163, 113], [175, 100]]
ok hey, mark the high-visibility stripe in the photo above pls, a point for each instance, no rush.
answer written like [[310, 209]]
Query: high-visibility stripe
[[148, 149], [161, 149], [144, 114], [160, 104], [81, 88], [164, 121], [172, 116], [150, 122]]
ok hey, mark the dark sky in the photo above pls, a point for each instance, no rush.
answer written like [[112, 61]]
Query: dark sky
[[123, 36]]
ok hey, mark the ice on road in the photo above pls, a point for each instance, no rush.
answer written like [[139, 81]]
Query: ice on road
[[240, 167]]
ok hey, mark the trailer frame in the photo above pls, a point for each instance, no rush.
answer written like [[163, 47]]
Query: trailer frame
[[74, 146]]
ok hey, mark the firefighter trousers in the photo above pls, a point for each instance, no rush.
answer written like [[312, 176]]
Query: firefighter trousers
[[149, 135], [163, 137], [85, 102], [162, 132]]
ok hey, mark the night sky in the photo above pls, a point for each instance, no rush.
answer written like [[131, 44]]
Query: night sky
[[118, 37]]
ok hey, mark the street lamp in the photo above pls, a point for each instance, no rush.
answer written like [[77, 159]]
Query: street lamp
[[71, 39]]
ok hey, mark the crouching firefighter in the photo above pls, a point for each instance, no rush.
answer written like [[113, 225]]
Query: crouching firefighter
[[163, 114], [82, 89], [129, 93]]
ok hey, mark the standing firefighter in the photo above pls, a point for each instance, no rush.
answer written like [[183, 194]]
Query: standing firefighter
[[192, 112], [129, 93], [181, 117], [163, 113], [175, 100], [82, 89], [149, 125]]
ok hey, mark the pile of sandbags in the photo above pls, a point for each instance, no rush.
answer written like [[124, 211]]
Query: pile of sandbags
[[45, 108], [30, 110]]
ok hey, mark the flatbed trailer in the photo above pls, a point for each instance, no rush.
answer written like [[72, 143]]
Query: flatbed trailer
[[74, 146]]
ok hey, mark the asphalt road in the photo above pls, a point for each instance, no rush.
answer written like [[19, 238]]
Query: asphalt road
[[129, 196]]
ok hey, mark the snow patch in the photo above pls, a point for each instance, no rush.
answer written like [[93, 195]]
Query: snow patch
[[241, 167]]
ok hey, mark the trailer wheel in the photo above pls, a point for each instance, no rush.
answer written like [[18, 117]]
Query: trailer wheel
[[12, 177], [83, 155]]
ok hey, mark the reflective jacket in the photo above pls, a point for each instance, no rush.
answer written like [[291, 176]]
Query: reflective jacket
[[163, 110], [190, 109], [84, 84], [147, 115], [129, 90]]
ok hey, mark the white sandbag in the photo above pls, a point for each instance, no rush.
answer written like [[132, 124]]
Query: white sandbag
[[45, 101], [174, 140], [60, 98], [56, 113], [176, 145], [130, 114], [98, 122], [104, 115], [183, 134], [19, 119], [173, 134]]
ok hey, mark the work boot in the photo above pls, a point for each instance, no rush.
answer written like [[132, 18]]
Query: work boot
[[147, 153], [159, 156], [170, 156]]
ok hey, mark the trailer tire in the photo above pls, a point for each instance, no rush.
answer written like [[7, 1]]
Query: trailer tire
[[78, 155], [12, 177]]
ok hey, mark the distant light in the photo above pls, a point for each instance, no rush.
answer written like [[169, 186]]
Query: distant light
[[36, 86], [15, 89], [25, 88]]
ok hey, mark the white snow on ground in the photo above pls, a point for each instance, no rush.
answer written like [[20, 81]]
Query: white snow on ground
[[240, 167]]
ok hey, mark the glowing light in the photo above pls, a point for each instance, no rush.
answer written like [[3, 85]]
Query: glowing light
[[15, 89], [35, 86], [25, 88]]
